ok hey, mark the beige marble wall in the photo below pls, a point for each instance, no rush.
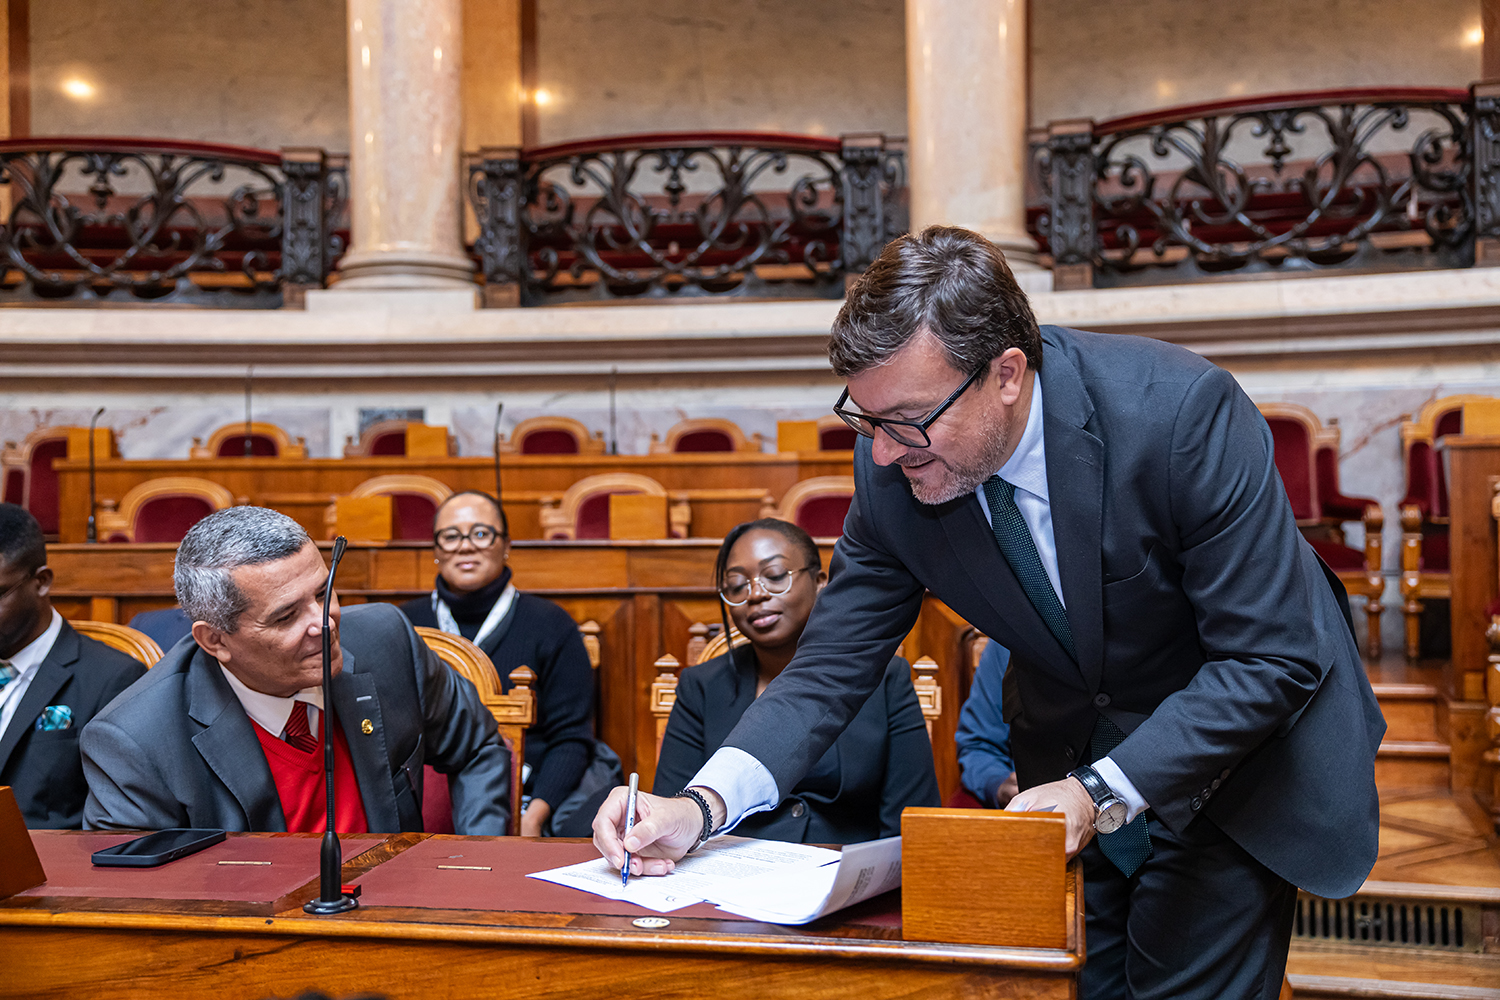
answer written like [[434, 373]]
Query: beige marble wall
[[265, 73], [1101, 58]]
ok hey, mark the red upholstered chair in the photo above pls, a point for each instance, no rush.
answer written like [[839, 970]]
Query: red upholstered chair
[[386, 439], [708, 434], [1424, 511], [414, 502], [28, 477], [552, 436], [1307, 456], [818, 506], [161, 510], [266, 441], [583, 510], [835, 435]]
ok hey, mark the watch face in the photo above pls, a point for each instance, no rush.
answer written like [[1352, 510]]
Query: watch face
[[1111, 816]]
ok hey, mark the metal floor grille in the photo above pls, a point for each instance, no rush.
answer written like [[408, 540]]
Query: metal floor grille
[[1437, 925]]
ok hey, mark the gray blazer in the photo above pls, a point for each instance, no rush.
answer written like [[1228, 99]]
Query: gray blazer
[[1204, 624], [177, 749]]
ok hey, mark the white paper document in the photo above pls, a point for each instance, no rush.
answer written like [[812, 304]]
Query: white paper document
[[798, 897], [765, 880], [718, 865]]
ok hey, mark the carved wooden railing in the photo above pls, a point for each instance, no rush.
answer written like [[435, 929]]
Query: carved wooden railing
[[115, 221], [684, 214], [1354, 180]]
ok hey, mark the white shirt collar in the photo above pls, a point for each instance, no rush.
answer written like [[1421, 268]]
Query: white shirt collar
[[267, 710], [33, 653], [1026, 469]]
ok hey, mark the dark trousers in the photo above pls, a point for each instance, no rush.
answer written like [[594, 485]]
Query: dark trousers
[[1201, 918]]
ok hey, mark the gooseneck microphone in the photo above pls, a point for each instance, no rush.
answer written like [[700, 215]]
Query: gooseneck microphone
[[93, 529], [331, 897], [499, 409], [614, 442]]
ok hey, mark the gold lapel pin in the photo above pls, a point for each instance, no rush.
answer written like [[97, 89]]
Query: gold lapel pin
[[367, 727]]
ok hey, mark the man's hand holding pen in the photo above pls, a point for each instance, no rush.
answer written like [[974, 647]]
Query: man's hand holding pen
[[664, 831]]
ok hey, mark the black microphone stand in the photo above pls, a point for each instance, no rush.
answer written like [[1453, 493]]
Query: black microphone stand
[[93, 529], [499, 409], [331, 896]]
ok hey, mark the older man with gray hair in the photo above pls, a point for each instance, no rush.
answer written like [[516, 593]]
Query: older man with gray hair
[[224, 732]]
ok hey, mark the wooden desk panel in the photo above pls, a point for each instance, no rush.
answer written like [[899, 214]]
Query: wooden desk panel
[[729, 483], [150, 948], [1472, 463], [644, 595]]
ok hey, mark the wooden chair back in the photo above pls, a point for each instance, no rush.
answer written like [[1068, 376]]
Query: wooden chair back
[[122, 637], [705, 434], [414, 503], [552, 436], [835, 435], [924, 677], [1426, 485], [27, 478], [514, 711], [388, 438], [818, 505], [582, 511], [161, 510], [266, 441], [1299, 437]]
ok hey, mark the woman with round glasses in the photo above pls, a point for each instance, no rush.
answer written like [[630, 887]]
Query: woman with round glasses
[[769, 572], [474, 597]]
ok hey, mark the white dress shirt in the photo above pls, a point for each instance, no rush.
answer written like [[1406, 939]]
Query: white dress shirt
[[744, 783], [26, 663], [270, 712]]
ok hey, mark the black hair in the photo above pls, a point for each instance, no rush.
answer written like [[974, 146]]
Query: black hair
[[504, 523], [22, 544], [786, 529]]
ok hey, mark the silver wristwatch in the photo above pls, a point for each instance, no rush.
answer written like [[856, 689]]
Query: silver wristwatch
[[1109, 808]]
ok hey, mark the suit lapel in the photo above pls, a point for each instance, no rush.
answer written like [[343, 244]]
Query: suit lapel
[[1075, 487], [51, 674], [367, 751], [975, 548], [229, 745]]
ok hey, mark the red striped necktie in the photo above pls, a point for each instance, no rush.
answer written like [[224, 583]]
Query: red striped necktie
[[297, 732]]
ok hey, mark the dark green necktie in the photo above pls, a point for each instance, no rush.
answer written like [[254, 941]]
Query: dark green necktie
[[1130, 845], [1020, 551]]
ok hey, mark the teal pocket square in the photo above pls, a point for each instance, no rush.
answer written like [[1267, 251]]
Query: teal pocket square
[[54, 717]]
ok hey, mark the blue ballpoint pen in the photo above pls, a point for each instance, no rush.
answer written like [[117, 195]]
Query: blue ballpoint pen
[[635, 782]]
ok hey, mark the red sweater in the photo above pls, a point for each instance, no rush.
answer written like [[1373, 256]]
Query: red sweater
[[300, 784]]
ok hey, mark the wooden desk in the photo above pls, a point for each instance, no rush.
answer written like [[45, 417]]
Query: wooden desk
[[1472, 463], [645, 595], [147, 948], [725, 487]]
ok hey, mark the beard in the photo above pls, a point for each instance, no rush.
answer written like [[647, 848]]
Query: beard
[[961, 474]]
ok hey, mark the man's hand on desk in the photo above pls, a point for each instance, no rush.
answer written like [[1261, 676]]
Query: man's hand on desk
[[665, 829], [1067, 796]]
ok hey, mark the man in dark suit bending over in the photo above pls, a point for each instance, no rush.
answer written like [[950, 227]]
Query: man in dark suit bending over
[[1184, 683], [52, 681]]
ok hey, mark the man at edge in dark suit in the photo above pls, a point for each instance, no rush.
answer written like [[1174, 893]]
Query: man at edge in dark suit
[[1184, 683], [52, 682]]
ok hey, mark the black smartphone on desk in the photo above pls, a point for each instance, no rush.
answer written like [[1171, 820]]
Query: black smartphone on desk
[[157, 848]]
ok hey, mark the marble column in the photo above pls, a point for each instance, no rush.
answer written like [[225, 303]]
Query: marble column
[[406, 125], [966, 67]]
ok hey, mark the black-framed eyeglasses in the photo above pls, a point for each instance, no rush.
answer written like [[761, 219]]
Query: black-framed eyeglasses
[[912, 433], [481, 536], [774, 581], [29, 576]]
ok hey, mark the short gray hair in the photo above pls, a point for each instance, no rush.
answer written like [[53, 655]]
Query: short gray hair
[[220, 543]]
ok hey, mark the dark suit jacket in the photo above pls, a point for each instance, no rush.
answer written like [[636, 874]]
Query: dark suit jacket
[[1204, 624], [177, 749], [879, 765], [43, 768]]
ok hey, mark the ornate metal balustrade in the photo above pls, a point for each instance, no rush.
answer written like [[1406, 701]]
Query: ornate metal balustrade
[[117, 221], [1355, 180], [717, 213]]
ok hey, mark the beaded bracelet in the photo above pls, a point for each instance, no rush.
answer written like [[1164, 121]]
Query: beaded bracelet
[[708, 816]]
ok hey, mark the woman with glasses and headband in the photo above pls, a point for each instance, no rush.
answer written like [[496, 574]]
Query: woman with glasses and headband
[[768, 574], [474, 597]]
